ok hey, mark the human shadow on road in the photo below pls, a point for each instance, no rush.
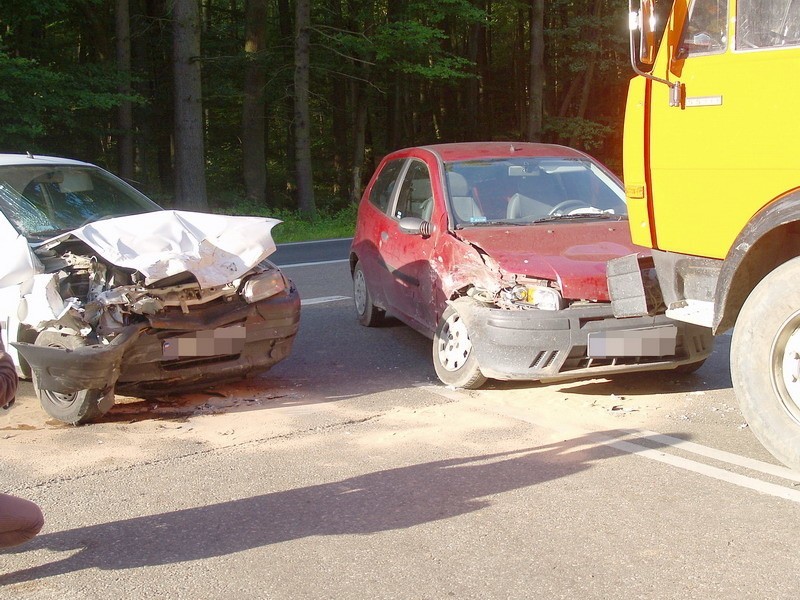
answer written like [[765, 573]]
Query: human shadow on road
[[380, 501]]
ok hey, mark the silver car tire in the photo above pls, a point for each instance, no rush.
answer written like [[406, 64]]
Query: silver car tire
[[367, 313], [76, 408]]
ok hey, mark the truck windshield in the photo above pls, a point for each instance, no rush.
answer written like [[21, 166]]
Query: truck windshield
[[706, 30], [767, 24]]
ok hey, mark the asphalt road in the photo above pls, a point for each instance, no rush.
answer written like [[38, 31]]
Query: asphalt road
[[307, 253], [348, 472]]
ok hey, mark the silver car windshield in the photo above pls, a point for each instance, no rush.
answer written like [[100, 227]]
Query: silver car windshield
[[43, 200], [526, 190]]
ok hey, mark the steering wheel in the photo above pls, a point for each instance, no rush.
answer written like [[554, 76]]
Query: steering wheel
[[558, 209]]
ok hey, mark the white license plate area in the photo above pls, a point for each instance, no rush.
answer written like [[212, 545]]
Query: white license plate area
[[210, 342], [648, 341]]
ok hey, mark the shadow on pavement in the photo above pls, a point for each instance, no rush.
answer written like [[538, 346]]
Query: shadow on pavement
[[380, 501]]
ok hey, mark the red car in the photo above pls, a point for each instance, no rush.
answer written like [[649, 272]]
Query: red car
[[498, 251]]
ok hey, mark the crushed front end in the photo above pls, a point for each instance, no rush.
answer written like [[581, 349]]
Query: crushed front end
[[563, 326], [156, 318]]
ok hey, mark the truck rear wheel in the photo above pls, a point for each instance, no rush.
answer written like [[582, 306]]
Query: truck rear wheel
[[765, 362]]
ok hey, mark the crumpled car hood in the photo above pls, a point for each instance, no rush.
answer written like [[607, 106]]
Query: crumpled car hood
[[572, 254], [216, 249]]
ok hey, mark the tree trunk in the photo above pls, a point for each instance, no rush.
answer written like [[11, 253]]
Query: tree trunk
[[570, 95], [302, 119], [342, 108], [287, 52], [190, 176], [394, 108], [360, 134], [589, 77], [254, 148], [536, 91], [125, 109], [520, 69]]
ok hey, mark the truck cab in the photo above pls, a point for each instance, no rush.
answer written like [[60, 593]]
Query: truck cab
[[713, 187]]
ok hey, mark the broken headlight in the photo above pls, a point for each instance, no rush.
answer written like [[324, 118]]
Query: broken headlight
[[535, 296], [263, 286]]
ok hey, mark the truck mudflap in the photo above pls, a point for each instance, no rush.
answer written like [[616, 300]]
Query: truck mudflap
[[66, 370]]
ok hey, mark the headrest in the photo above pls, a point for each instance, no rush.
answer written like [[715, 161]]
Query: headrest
[[420, 189], [458, 184]]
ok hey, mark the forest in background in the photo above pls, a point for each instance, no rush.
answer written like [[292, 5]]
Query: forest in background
[[290, 104]]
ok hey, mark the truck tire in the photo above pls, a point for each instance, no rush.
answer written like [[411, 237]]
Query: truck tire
[[765, 362]]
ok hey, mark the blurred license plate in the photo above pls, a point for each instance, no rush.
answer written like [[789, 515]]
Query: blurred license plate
[[650, 341], [210, 342]]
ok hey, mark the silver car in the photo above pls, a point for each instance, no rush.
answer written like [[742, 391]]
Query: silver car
[[102, 290]]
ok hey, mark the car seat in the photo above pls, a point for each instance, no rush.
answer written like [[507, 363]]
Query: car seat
[[464, 205]]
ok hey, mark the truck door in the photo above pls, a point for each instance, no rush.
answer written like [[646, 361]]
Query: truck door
[[720, 156]]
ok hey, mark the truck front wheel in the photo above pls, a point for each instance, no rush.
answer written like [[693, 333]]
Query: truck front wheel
[[765, 362]]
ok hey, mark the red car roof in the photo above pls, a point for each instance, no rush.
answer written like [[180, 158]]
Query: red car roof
[[478, 150]]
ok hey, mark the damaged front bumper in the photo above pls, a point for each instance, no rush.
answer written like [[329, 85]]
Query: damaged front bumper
[[176, 352], [579, 341]]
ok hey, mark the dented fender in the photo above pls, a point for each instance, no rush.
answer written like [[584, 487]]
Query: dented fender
[[71, 370], [463, 265]]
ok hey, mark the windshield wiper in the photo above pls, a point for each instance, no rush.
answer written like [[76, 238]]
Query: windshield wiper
[[493, 223], [599, 215]]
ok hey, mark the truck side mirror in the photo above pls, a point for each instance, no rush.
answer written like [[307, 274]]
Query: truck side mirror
[[642, 25]]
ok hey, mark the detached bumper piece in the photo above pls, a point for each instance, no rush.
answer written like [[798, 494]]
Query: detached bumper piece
[[583, 341], [89, 367]]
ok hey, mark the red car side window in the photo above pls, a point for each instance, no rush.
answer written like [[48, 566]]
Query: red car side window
[[382, 190]]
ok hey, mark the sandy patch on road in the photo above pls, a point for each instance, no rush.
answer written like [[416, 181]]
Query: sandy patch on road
[[135, 431]]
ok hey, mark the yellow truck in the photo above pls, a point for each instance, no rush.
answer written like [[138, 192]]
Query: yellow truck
[[713, 187]]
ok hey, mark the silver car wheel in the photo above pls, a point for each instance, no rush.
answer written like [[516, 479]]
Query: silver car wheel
[[360, 291], [454, 343]]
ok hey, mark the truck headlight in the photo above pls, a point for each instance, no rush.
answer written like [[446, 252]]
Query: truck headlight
[[537, 296], [263, 286]]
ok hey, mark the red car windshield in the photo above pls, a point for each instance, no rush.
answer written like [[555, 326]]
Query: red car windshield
[[525, 190]]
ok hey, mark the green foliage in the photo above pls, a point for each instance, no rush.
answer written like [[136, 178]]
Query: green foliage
[[429, 71], [40, 105], [589, 134], [298, 228]]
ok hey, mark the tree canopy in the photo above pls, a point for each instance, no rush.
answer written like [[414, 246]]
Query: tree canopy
[[349, 82]]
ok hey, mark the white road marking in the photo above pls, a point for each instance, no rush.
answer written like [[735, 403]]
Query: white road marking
[[314, 264], [658, 455], [720, 455], [323, 300], [344, 239], [757, 485]]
